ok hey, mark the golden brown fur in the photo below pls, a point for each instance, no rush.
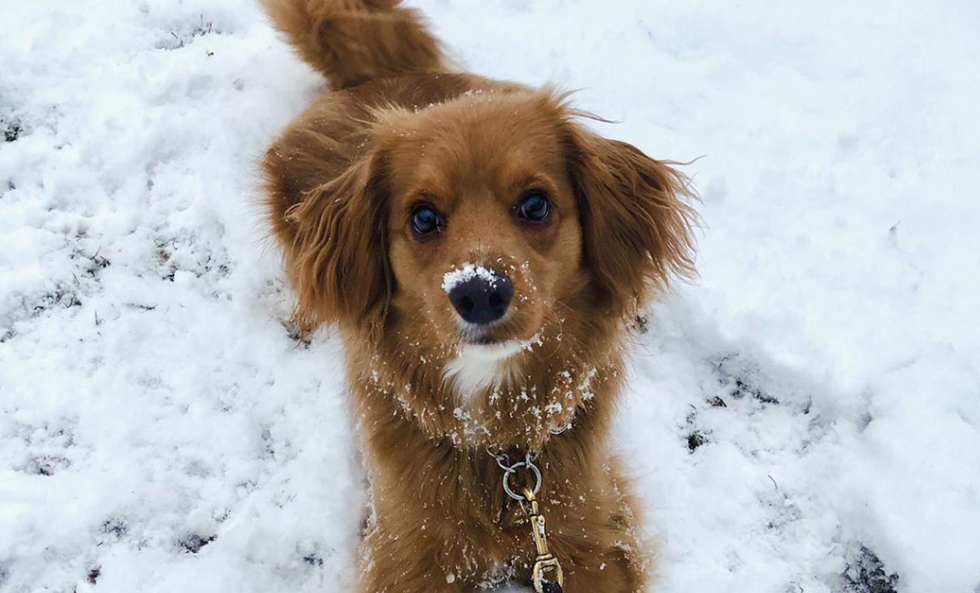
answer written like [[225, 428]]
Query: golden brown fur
[[341, 182]]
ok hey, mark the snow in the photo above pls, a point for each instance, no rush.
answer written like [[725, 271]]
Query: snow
[[160, 429], [466, 272]]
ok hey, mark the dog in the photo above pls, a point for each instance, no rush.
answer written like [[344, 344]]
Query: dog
[[483, 255]]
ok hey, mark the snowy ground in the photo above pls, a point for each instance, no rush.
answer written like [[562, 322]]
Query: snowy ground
[[804, 418]]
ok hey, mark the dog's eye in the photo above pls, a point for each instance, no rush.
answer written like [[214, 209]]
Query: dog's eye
[[425, 219], [534, 207]]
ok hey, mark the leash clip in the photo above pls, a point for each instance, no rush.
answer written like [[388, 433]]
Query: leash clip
[[547, 575]]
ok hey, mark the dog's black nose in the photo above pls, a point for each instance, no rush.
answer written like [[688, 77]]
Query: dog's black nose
[[482, 299]]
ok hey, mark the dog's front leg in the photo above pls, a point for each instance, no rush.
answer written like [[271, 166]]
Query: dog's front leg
[[405, 563]]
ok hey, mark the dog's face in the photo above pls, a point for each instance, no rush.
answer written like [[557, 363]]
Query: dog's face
[[484, 229], [480, 228]]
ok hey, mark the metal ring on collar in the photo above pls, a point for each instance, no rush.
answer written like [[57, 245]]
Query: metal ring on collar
[[537, 479]]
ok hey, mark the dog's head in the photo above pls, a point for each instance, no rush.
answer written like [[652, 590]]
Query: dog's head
[[480, 229]]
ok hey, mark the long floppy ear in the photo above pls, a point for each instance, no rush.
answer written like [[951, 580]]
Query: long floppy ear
[[636, 218], [336, 254]]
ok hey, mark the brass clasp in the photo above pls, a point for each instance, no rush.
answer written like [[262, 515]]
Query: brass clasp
[[546, 575], [547, 571]]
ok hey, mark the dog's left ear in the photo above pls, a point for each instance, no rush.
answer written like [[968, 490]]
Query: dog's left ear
[[636, 218]]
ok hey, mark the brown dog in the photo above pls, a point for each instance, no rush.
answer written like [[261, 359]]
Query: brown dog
[[482, 254]]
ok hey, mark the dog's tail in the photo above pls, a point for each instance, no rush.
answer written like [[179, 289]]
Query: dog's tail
[[353, 41]]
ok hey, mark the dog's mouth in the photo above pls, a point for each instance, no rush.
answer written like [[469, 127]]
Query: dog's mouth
[[502, 335], [472, 334], [495, 349], [489, 338]]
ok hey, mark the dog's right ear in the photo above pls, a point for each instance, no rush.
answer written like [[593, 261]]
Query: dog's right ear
[[335, 244]]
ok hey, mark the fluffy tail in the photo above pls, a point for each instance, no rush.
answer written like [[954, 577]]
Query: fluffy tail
[[353, 41]]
